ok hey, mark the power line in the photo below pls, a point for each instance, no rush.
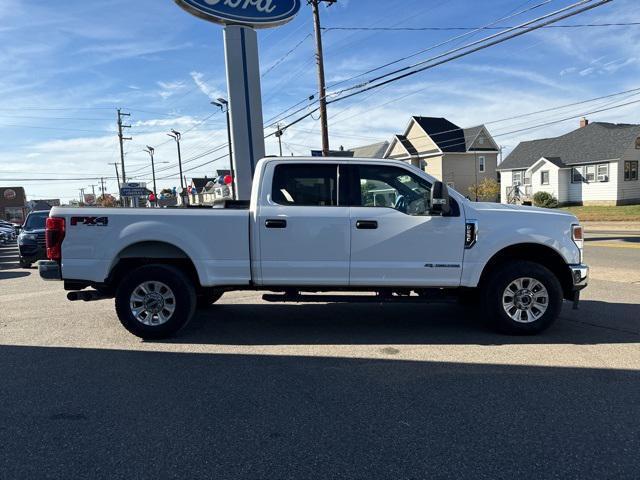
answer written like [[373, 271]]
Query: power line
[[473, 47], [445, 42], [420, 29], [285, 56]]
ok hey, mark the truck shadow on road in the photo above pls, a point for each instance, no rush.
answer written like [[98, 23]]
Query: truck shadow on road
[[339, 324], [5, 275], [87, 413]]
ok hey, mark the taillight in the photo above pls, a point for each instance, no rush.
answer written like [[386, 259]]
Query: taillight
[[54, 236]]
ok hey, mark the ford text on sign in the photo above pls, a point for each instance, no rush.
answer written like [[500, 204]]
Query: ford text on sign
[[256, 13]]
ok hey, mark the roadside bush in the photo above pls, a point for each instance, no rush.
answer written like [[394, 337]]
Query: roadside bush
[[545, 200]]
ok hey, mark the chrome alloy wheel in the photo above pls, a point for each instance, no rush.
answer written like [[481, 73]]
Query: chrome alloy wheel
[[152, 303], [525, 300]]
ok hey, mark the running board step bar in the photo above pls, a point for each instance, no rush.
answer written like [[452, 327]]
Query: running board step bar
[[302, 298]]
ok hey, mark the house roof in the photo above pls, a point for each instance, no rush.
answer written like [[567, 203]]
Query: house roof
[[200, 183], [406, 143], [375, 150], [596, 142], [557, 161], [448, 136]]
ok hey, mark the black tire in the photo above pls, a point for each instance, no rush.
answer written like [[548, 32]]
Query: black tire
[[504, 276], [209, 297], [24, 264], [184, 304]]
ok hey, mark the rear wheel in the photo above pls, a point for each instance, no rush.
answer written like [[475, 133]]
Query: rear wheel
[[155, 301], [522, 298], [24, 263]]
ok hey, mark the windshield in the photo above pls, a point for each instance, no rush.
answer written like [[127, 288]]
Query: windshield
[[36, 221]]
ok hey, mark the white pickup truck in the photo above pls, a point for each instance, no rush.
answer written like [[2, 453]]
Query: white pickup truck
[[322, 225]]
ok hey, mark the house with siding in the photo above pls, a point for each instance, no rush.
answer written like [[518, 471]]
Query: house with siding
[[459, 157], [597, 164]]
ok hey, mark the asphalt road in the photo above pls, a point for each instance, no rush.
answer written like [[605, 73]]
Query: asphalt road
[[254, 390]]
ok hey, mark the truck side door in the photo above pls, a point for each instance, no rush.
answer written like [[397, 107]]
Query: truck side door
[[394, 239], [304, 234]]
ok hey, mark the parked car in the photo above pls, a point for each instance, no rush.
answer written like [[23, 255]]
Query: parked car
[[31, 241], [8, 233], [310, 228]]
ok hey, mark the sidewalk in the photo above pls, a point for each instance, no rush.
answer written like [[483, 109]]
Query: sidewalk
[[632, 228]]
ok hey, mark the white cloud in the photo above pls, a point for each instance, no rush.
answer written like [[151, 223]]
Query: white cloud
[[207, 88]]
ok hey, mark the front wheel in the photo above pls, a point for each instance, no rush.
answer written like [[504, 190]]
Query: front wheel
[[523, 298], [155, 301]]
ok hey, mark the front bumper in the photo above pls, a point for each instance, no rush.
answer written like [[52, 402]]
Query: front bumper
[[32, 252], [580, 276], [49, 270]]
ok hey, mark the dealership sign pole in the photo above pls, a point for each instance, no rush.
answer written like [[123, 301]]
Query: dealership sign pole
[[240, 19]]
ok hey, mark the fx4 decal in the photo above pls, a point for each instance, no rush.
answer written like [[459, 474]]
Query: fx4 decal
[[91, 221]]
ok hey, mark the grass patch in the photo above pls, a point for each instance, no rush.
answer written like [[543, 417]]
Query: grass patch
[[628, 213]]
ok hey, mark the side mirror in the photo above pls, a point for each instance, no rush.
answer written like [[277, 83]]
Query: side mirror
[[440, 204]]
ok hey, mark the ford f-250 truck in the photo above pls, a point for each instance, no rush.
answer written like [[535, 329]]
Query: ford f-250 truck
[[321, 225]]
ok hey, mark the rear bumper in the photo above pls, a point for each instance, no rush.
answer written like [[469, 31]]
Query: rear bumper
[[580, 276], [49, 270]]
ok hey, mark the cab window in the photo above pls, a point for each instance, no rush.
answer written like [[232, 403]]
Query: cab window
[[305, 185], [393, 187]]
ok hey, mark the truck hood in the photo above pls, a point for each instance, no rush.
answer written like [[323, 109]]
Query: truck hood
[[501, 208]]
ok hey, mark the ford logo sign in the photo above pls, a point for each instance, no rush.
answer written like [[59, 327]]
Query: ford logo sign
[[255, 13]]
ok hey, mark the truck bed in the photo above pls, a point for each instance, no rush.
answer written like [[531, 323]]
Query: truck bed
[[215, 239]]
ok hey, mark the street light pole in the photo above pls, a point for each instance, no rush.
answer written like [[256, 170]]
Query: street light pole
[[224, 106], [150, 151], [177, 136]]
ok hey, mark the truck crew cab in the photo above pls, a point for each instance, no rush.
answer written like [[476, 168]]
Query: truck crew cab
[[321, 225]]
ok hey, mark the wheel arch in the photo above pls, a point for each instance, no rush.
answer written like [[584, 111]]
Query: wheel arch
[[533, 252], [151, 252]]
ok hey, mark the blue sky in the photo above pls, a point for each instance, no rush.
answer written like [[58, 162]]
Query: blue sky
[[67, 65]]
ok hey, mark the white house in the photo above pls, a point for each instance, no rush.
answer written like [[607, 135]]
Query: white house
[[597, 164]]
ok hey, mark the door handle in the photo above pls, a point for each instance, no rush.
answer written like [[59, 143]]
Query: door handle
[[275, 223], [366, 224]]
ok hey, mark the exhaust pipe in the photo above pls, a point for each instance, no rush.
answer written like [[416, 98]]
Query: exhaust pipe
[[85, 296]]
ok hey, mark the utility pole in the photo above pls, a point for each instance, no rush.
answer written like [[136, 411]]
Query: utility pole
[[176, 136], [322, 90], [279, 133], [81, 195], [102, 187], [150, 151], [122, 138], [224, 106]]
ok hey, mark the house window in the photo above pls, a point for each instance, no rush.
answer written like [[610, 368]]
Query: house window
[[638, 143], [481, 164], [603, 172], [590, 173], [577, 175], [630, 171], [517, 177], [544, 177], [481, 140]]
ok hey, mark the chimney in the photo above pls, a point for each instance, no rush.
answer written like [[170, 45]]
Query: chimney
[[584, 122]]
